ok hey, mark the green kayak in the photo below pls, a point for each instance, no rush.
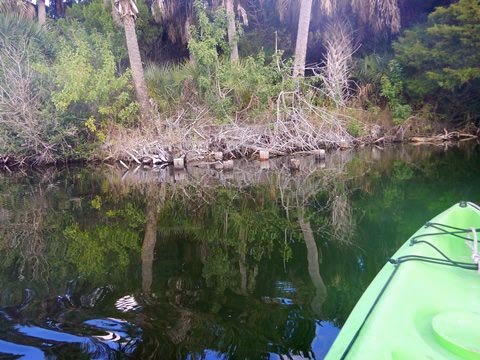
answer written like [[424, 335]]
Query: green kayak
[[425, 302]]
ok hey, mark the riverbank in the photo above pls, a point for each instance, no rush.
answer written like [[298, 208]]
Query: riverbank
[[203, 141]]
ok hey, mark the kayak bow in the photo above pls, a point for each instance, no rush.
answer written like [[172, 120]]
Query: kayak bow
[[425, 302]]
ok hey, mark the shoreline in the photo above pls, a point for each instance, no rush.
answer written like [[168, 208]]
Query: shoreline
[[216, 156]]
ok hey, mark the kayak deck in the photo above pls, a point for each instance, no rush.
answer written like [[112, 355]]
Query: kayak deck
[[419, 308]]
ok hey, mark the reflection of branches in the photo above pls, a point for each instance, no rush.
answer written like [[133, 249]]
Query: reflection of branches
[[342, 218], [296, 190], [23, 230]]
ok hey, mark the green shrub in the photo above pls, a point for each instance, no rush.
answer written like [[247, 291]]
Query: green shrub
[[67, 89], [391, 88], [96, 16], [87, 82], [229, 87], [249, 79], [169, 85], [370, 69], [441, 60], [354, 128], [29, 128]]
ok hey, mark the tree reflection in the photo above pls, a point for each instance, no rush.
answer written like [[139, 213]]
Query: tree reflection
[[243, 263], [155, 199], [313, 264]]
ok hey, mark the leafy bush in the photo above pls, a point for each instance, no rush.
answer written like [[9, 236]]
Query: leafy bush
[[61, 88], [28, 127], [250, 79], [87, 81], [441, 60], [354, 128], [370, 69], [96, 16], [228, 87], [170, 84], [391, 88]]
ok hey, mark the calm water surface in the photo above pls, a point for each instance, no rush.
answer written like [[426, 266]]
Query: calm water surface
[[258, 263]]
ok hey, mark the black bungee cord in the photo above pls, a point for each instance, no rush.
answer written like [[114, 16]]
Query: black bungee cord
[[454, 231]]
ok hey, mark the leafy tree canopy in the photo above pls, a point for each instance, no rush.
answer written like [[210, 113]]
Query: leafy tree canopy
[[442, 59]]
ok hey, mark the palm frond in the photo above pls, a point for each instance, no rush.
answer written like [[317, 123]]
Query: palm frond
[[15, 7]]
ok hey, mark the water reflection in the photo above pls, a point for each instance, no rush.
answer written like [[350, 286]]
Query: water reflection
[[255, 263]]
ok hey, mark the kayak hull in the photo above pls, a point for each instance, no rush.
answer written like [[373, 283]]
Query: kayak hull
[[420, 309]]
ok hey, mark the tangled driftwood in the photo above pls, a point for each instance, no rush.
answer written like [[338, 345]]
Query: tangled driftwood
[[447, 136]]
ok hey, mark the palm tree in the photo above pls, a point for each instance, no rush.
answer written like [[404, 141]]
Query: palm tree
[[128, 11], [42, 13], [302, 38], [232, 30], [302, 34], [15, 7], [381, 14]]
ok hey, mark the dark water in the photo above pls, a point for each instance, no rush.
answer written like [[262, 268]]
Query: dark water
[[258, 263]]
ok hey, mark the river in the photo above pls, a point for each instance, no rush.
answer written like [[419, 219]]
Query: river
[[255, 263]]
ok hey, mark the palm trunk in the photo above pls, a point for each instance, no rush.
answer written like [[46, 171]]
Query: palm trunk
[[137, 67], [59, 8], [232, 30], [302, 38], [42, 14]]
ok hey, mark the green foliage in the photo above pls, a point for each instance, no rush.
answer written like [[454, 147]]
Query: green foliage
[[208, 42], [208, 39], [250, 79], [86, 79], [75, 86], [354, 128], [370, 69], [441, 59], [227, 87], [101, 250], [28, 127], [96, 17], [392, 86], [171, 84], [96, 202]]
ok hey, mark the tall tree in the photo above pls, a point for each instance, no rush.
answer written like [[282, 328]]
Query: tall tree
[[381, 14], [42, 14], [302, 38], [128, 11], [232, 30]]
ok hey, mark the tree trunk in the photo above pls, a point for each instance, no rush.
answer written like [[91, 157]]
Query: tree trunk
[[302, 38], [137, 67], [42, 14], [59, 8], [232, 30]]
